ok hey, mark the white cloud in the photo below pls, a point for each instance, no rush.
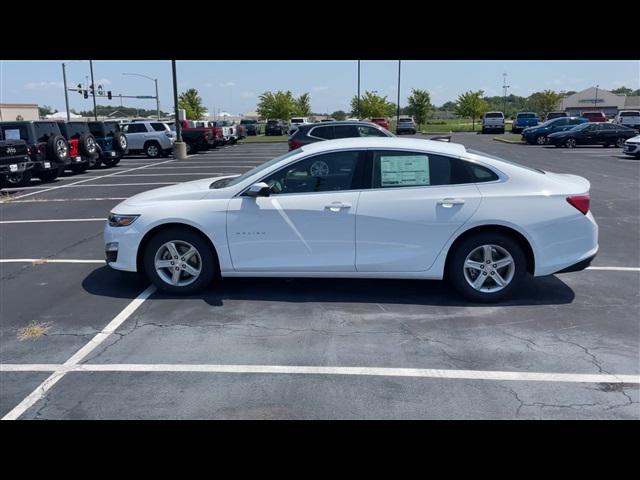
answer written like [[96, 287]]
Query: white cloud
[[42, 85], [228, 84]]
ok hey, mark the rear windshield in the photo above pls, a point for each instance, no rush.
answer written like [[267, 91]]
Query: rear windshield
[[509, 162], [494, 115], [247, 122], [297, 120], [405, 120], [526, 115], [592, 115], [629, 114], [76, 129]]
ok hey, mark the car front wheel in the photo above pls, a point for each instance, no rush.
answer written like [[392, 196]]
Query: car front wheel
[[620, 142], [570, 143], [179, 261], [487, 267], [541, 139]]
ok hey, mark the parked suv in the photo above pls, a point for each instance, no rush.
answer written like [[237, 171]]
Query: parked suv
[[317, 132], [405, 125], [594, 116], [274, 127], [628, 118], [47, 148], [538, 135], [112, 143], [493, 121], [83, 148], [15, 163], [383, 122], [251, 126], [524, 120], [154, 139]]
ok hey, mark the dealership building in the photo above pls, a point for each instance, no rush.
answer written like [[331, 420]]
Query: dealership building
[[18, 111], [598, 99]]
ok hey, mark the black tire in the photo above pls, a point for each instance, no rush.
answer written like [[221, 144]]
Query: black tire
[[570, 143], [191, 149], [208, 263], [88, 145], [50, 175], [111, 162], [16, 180], [541, 140], [153, 150], [120, 143], [620, 142], [455, 273], [57, 149], [81, 168]]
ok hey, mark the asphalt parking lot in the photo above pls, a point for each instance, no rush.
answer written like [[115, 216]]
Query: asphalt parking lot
[[103, 345]]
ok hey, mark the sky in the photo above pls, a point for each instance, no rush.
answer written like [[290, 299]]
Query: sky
[[234, 86]]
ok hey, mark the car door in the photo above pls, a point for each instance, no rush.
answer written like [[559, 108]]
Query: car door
[[588, 135], [307, 223], [135, 133], [418, 201]]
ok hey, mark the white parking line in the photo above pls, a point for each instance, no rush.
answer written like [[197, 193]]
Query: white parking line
[[55, 220], [313, 370], [42, 261], [95, 185], [85, 180], [616, 269], [80, 355]]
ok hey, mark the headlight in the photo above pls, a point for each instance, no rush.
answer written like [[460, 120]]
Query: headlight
[[121, 220]]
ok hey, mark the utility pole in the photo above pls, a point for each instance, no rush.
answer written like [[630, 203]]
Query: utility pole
[[93, 92], [157, 99], [175, 102], [595, 101], [504, 94], [358, 89], [66, 94], [398, 106]]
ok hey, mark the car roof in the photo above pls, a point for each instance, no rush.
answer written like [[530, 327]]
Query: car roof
[[343, 122], [387, 142]]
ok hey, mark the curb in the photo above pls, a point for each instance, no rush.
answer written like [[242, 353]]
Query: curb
[[504, 140]]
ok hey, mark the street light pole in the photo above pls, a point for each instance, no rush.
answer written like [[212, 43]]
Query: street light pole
[[93, 92], [358, 104], [66, 94], [155, 80], [504, 94], [398, 106]]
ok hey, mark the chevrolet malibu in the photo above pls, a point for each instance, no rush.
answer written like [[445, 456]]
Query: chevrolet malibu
[[361, 208]]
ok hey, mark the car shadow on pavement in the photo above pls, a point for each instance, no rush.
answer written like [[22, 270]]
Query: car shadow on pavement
[[549, 290]]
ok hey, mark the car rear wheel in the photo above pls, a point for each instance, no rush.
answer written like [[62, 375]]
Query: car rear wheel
[[110, 162], [79, 168], [570, 143], [16, 180], [179, 261], [50, 175], [152, 150], [487, 267], [620, 142], [541, 139]]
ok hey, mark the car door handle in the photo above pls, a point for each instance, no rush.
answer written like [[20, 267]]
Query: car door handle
[[450, 202], [337, 206]]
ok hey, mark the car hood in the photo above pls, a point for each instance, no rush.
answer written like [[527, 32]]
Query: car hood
[[194, 190]]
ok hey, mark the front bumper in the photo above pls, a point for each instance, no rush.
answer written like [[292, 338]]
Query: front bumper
[[121, 247], [631, 148]]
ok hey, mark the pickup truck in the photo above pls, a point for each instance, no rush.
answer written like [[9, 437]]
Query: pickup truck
[[493, 121], [629, 118], [222, 131], [594, 116], [15, 163], [295, 122], [197, 138], [524, 120]]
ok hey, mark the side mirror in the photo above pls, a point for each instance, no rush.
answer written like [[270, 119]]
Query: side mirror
[[259, 189]]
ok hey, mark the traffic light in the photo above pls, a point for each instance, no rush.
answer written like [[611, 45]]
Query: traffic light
[[80, 89], [109, 94], [86, 94]]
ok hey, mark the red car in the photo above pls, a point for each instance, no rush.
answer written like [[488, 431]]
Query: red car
[[381, 121], [594, 116]]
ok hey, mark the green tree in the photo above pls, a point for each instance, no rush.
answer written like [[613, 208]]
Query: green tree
[[191, 102], [371, 105], [339, 115], [420, 107], [471, 105], [448, 107], [303, 105], [622, 91], [277, 105], [544, 102], [45, 110]]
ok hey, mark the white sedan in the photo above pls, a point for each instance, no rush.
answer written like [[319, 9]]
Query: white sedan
[[361, 208]]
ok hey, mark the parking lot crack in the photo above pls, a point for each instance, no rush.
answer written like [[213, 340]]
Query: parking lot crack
[[593, 359]]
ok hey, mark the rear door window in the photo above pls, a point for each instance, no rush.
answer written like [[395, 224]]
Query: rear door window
[[345, 131], [322, 132], [367, 131]]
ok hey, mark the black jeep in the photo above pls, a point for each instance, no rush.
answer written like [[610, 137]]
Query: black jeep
[[15, 164], [48, 149], [112, 143], [83, 147]]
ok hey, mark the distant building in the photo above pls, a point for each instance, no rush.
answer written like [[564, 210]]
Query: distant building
[[19, 111], [598, 99]]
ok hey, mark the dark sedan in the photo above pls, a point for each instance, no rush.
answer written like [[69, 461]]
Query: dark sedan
[[605, 134], [314, 132], [538, 134]]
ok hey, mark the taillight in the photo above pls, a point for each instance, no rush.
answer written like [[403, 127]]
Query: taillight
[[581, 202], [293, 144]]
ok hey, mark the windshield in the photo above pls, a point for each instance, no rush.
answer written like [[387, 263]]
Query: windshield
[[582, 126], [297, 120], [234, 181]]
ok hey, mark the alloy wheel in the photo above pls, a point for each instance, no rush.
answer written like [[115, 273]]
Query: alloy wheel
[[541, 140], [570, 143], [489, 268], [178, 263]]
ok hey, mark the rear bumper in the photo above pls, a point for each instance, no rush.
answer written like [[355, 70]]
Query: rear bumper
[[581, 265]]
